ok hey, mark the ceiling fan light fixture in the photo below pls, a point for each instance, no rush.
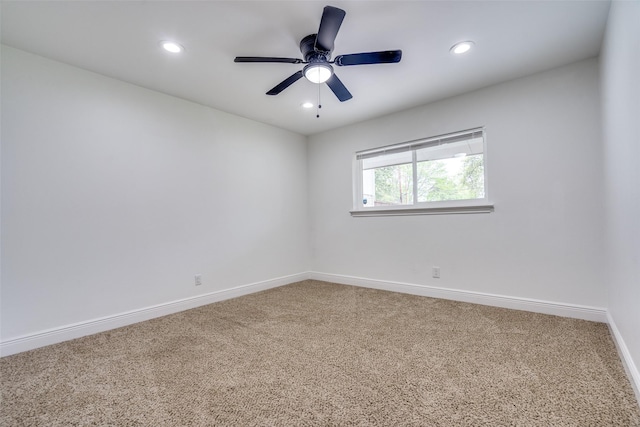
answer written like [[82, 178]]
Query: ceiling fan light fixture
[[316, 50], [172, 47], [318, 72], [461, 47]]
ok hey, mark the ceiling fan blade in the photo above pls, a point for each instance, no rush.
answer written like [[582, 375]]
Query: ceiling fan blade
[[339, 89], [286, 83], [329, 25], [267, 59], [383, 57]]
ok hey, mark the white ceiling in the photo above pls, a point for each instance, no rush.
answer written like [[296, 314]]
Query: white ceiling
[[121, 39]]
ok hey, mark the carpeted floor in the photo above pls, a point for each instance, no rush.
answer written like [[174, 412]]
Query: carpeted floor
[[315, 353]]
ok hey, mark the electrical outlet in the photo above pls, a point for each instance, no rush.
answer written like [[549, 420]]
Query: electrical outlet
[[198, 279], [436, 272]]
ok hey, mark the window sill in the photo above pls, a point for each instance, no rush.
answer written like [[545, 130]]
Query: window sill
[[442, 210]]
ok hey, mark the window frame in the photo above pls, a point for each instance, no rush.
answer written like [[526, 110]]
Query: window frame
[[464, 206]]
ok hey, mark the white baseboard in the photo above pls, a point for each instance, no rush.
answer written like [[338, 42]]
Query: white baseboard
[[625, 355], [77, 330], [595, 314]]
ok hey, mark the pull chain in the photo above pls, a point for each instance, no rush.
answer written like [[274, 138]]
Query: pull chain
[[319, 105]]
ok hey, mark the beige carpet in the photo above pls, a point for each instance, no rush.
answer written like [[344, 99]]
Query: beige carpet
[[315, 353]]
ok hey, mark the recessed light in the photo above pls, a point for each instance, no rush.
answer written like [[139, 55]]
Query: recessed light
[[307, 105], [460, 155], [462, 47], [172, 47]]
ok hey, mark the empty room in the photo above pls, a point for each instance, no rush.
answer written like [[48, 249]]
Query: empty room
[[288, 213]]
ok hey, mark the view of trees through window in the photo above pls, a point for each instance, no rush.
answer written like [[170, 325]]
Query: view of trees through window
[[453, 178], [441, 168]]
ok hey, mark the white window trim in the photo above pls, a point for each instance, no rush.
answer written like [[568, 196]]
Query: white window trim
[[443, 210], [471, 206]]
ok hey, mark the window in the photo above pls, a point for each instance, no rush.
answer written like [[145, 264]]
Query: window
[[442, 174]]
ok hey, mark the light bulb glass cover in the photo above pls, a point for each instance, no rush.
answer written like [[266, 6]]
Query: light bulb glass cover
[[318, 73], [462, 47], [172, 47], [307, 105]]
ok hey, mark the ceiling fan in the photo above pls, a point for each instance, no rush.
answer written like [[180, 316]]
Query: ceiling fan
[[316, 50]]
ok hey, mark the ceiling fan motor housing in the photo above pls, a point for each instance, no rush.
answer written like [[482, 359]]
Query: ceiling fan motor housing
[[308, 49]]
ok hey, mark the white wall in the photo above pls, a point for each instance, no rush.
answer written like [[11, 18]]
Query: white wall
[[621, 135], [545, 239], [114, 197]]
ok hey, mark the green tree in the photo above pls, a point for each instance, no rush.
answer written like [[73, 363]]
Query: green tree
[[394, 185], [435, 183], [472, 177], [437, 180]]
